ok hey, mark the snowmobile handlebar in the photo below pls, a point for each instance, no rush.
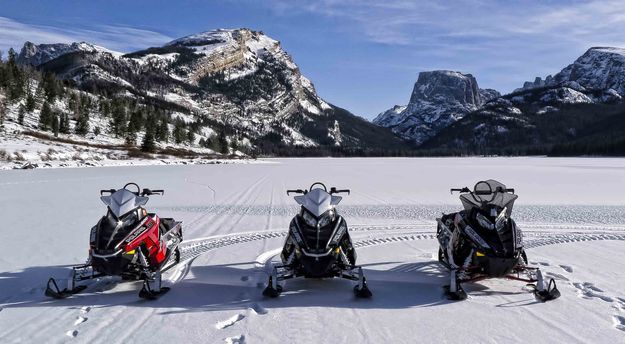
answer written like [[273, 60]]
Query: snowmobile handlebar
[[144, 192], [334, 190], [463, 190], [148, 192], [298, 191], [482, 192]]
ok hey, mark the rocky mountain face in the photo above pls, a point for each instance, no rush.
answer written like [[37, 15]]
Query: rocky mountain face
[[238, 79], [577, 103], [439, 98]]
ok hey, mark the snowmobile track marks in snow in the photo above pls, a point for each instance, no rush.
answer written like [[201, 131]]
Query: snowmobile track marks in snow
[[229, 322]]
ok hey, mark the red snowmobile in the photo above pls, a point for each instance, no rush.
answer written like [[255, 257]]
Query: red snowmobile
[[128, 242]]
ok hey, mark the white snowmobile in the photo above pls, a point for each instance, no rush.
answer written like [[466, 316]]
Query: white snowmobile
[[318, 244], [482, 242]]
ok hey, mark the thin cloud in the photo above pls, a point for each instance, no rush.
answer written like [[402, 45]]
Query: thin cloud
[[13, 34]]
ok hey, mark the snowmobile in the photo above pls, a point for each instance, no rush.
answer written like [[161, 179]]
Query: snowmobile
[[483, 241], [128, 242], [318, 243]]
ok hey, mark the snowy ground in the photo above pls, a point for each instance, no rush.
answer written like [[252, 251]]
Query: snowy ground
[[572, 211]]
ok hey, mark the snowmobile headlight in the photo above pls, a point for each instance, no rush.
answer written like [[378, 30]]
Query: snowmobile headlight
[[484, 222], [309, 219], [326, 218]]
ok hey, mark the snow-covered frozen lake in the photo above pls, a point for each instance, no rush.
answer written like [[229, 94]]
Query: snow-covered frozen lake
[[572, 211]]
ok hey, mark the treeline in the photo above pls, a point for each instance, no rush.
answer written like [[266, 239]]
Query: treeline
[[64, 109]]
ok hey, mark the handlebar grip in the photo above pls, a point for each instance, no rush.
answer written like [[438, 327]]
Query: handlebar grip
[[300, 191], [162, 192], [342, 191], [109, 191]]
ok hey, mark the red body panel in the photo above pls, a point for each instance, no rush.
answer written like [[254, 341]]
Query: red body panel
[[157, 250]]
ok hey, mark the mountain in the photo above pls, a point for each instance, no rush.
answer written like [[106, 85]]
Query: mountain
[[439, 98], [237, 81], [579, 106]]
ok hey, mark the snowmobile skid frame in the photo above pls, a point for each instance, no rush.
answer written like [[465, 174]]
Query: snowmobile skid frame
[[284, 272], [454, 290]]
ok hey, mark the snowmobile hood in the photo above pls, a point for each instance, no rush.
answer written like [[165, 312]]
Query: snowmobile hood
[[122, 201], [318, 201]]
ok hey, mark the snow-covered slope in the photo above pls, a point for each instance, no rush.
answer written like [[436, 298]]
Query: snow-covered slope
[[235, 217], [237, 78], [439, 98]]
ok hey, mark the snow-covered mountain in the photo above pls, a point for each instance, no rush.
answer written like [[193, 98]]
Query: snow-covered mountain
[[574, 104], [439, 98], [237, 79]]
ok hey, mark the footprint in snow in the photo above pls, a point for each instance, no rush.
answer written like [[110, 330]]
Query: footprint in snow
[[258, 309], [544, 263], [229, 322], [80, 319], [619, 322], [567, 268], [71, 333], [588, 290], [85, 309], [235, 340]]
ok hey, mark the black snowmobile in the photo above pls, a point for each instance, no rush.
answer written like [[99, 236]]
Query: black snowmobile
[[128, 242], [483, 241], [318, 244]]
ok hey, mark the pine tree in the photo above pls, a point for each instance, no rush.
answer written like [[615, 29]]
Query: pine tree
[[55, 125], [131, 138], [178, 133], [30, 102], [50, 87], [82, 124], [45, 118], [64, 123], [162, 134], [20, 114], [148, 144], [118, 120], [3, 111], [191, 137], [222, 143]]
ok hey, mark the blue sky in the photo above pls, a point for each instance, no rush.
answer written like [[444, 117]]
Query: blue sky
[[361, 55]]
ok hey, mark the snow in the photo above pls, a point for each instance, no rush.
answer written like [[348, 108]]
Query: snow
[[235, 215]]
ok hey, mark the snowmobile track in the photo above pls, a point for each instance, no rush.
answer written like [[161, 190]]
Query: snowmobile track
[[196, 247]]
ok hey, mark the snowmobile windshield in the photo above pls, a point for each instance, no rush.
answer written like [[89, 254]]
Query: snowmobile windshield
[[318, 201], [123, 201], [489, 193]]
